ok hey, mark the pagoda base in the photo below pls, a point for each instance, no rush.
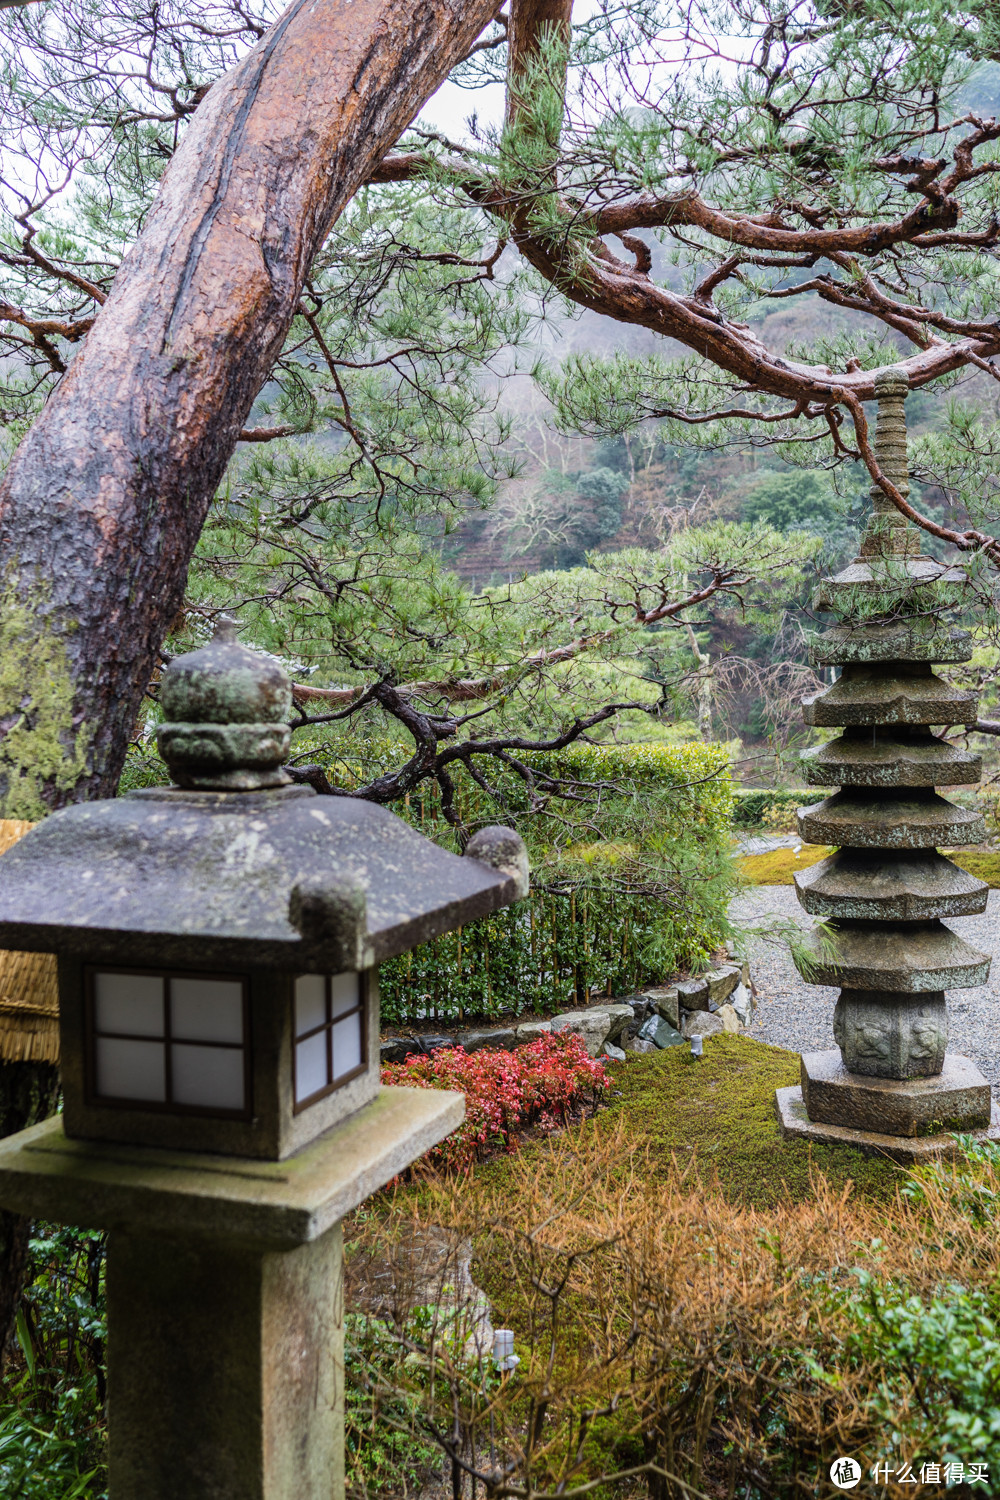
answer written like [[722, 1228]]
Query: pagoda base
[[907, 1151], [908, 1120], [956, 1099]]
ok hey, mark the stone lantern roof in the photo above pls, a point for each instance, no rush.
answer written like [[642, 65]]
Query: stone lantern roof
[[235, 865]]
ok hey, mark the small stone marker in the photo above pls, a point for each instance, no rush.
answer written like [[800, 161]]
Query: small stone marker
[[622, 1016], [702, 1023], [666, 1002], [742, 1003], [693, 994], [722, 982], [592, 1026], [530, 1031], [489, 1041]]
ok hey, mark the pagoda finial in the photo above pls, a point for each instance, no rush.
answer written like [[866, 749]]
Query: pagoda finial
[[887, 533]]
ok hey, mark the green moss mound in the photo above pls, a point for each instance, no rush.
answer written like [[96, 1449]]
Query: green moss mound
[[778, 866], [717, 1112], [984, 866]]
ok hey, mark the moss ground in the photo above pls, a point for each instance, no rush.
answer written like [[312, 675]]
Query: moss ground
[[719, 1112], [778, 866]]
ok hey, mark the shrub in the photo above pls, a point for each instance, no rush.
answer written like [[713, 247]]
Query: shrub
[[756, 807], [695, 778], [52, 1434], [628, 888], [540, 1083], [385, 1449], [549, 952]]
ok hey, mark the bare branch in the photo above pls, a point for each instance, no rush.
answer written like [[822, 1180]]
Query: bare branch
[[267, 434]]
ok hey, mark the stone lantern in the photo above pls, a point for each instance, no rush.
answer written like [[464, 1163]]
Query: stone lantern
[[890, 1084], [218, 945]]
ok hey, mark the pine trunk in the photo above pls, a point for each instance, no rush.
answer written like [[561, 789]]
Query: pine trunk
[[102, 504]]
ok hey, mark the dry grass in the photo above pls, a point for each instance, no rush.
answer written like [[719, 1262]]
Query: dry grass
[[29, 997], [689, 1298], [673, 1345]]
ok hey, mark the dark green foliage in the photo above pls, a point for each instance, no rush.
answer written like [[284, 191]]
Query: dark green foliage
[[52, 1433], [387, 1448], [791, 500], [940, 1358], [751, 805], [630, 884], [544, 954]]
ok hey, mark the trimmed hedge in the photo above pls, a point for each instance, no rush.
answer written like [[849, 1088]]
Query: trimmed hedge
[[696, 776], [643, 893], [750, 804], [544, 954]]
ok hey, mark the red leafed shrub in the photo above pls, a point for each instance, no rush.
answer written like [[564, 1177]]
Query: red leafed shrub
[[504, 1091]]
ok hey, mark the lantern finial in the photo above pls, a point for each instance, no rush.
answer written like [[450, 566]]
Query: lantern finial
[[227, 714]]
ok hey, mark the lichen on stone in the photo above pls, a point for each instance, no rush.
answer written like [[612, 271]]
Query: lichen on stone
[[41, 746]]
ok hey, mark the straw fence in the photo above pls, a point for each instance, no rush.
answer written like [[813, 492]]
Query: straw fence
[[29, 997]]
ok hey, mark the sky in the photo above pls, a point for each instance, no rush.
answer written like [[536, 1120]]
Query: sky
[[450, 107]]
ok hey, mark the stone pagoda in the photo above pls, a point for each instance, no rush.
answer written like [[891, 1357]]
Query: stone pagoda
[[890, 1084]]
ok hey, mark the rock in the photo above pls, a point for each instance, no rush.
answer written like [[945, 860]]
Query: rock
[[432, 1043], [642, 1007], [661, 1033], [742, 1002], [702, 1023], [615, 1053], [693, 994], [592, 1026], [665, 1001], [728, 1017], [641, 1045], [622, 1016], [494, 1041], [530, 1031], [397, 1049], [721, 982]]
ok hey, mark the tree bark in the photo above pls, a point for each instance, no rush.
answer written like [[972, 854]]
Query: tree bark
[[102, 504], [530, 20]]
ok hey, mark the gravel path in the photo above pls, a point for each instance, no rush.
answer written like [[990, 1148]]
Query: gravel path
[[800, 1016]]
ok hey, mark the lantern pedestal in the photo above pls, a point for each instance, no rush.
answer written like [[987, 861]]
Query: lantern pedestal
[[225, 1360], [225, 1369]]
